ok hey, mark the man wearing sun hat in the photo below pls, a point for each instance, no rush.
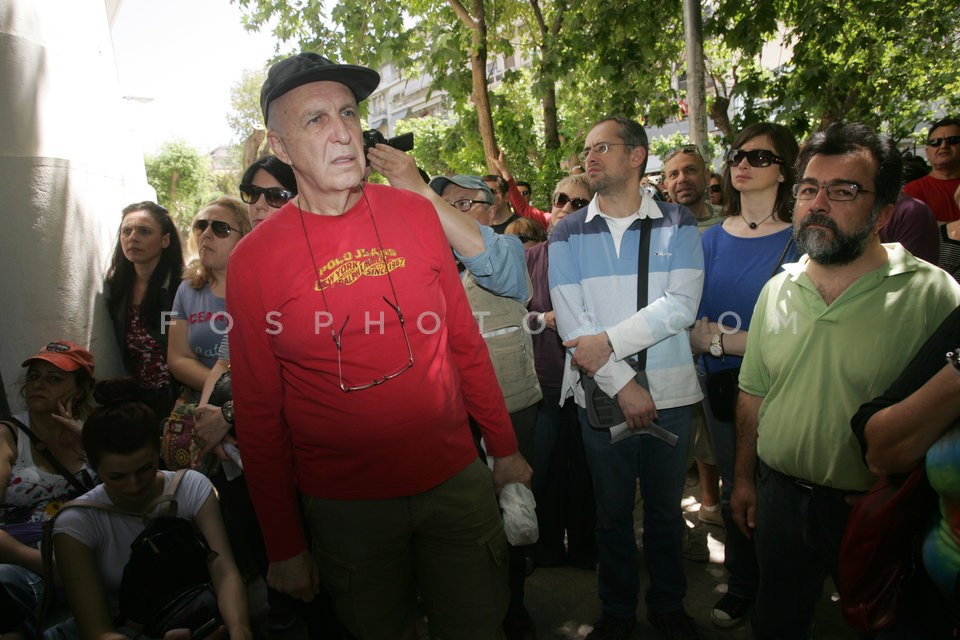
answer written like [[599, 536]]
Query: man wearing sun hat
[[499, 288], [355, 364]]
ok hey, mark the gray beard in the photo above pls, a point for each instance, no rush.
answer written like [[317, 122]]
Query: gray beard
[[838, 250]]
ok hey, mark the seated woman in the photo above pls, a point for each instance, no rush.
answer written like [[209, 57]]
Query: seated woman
[[140, 286], [92, 546], [32, 487], [916, 421]]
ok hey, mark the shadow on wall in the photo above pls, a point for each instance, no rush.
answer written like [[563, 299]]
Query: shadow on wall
[[52, 242]]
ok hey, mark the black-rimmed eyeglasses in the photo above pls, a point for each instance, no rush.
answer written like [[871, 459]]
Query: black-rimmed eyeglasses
[[836, 191], [465, 204], [220, 228], [756, 157], [276, 197]]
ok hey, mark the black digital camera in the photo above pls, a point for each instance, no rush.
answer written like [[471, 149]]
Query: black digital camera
[[372, 136]]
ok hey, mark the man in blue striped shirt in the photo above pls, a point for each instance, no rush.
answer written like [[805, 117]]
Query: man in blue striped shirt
[[593, 269]]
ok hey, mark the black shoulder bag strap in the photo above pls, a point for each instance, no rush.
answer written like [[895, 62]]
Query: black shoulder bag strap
[[41, 446], [643, 279], [783, 254]]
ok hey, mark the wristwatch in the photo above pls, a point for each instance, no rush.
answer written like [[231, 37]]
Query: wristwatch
[[716, 345], [227, 410]]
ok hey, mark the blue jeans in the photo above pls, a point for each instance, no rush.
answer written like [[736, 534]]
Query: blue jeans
[[662, 470], [798, 545], [740, 559], [23, 588]]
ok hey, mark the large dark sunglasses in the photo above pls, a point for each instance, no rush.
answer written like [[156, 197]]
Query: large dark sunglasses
[[276, 196], [756, 157], [561, 199], [220, 228], [950, 140], [715, 188]]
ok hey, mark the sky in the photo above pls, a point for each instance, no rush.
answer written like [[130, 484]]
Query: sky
[[180, 58]]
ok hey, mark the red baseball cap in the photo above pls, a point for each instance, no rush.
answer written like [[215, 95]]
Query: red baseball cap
[[64, 355]]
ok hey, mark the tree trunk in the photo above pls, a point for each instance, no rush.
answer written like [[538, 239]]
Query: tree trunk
[[551, 129], [718, 112], [251, 147], [481, 98]]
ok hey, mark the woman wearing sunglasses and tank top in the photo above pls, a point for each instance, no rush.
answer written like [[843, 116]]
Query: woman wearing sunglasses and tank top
[[199, 321], [740, 255]]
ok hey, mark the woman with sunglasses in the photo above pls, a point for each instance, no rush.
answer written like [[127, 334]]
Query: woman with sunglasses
[[140, 286], [198, 321], [267, 185], [740, 255], [561, 480]]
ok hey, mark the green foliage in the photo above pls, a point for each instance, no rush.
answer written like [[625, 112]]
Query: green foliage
[[245, 102], [182, 178], [887, 63]]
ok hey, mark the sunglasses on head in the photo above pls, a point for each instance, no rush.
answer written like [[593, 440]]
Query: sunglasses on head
[[220, 228], [561, 199], [950, 140], [276, 196], [756, 157]]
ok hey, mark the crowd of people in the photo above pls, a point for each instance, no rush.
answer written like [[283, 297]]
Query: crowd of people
[[395, 356]]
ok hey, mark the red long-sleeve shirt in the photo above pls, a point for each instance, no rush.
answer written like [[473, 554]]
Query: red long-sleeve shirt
[[297, 429]]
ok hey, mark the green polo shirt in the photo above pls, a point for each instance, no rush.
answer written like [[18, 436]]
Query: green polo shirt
[[814, 365]]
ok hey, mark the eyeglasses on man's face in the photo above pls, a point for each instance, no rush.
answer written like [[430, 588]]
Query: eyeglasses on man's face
[[756, 157], [949, 140], [276, 197], [524, 192], [338, 340], [560, 199], [838, 191], [465, 204], [601, 148], [220, 228]]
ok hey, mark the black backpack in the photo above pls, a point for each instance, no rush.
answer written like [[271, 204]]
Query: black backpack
[[166, 581]]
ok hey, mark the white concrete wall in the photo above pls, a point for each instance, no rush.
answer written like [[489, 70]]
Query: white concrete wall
[[68, 165]]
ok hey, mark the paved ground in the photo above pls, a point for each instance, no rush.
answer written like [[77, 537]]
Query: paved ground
[[563, 601]]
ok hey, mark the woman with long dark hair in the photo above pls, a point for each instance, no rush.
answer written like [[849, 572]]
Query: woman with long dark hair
[[141, 283], [740, 254]]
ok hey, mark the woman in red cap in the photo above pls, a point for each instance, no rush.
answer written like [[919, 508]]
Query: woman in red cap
[[41, 465]]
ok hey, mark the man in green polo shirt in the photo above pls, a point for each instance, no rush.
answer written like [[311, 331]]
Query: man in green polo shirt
[[829, 333]]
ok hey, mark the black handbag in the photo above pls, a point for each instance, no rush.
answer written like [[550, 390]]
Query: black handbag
[[722, 390]]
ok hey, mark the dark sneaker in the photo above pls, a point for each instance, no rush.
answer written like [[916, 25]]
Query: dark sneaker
[[674, 625], [610, 628], [518, 625], [730, 610]]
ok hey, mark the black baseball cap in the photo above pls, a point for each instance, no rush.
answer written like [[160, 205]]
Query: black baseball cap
[[292, 72]]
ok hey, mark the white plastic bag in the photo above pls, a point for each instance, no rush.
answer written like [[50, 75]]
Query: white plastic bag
[[519, 510]]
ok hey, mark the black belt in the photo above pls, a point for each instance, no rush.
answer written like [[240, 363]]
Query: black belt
[[813, 489]]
